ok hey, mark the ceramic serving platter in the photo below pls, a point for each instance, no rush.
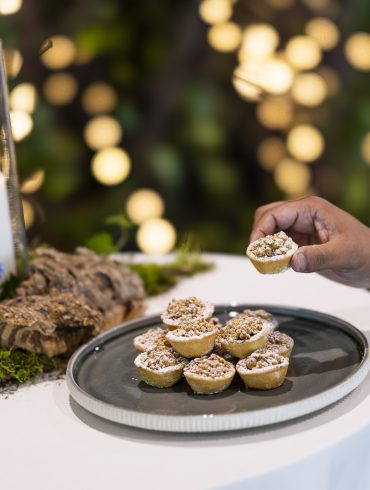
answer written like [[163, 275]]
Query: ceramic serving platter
[[329, 360]]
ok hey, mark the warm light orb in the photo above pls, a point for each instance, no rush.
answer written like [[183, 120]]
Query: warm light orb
[[246, 82], [144, 204], [111, 166], [303, 52], [156, 236], [270, 152], [276, 76], [259, 41], [8, 7], [28, 213], [13, 62], [224, 37], [324, 31], [357, 50], [101, 132], [275, 112], [305, 143], [292, 177], [21, 123], [61, 54], [33, 183], [215, 11], [99, 97], [331, 79], [23, 97], [60, 89], [365, 148], [309, 89]]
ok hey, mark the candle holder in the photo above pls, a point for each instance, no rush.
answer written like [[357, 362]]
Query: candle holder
[[13, 244]]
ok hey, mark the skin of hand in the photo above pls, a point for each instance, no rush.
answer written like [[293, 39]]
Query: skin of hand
[[331, 241]]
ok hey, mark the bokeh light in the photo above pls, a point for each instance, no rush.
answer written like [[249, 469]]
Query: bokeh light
[[144, 204], [331, 78], [305, 142], [292, 177], [99, 97], [225, 37], [101, 132], [111, 166], [60, 88], [303, 52], [309, 89], [61, 54], [275, 112], [8, 7], [33, 183], [156, 236], [270, 152], [28, 213], [215, 11], [365, 148], [13, 62], [259, 41], [23, 97], [276, 76], [324, 31], [357, 50], [21, 123], [246, 83]]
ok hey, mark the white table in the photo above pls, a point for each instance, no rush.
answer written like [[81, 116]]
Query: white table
[[48, 442]]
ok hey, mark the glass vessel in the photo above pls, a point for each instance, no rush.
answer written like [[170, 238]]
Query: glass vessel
[[13, 245]]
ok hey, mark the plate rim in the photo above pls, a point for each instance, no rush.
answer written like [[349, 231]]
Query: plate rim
[[219, 422]]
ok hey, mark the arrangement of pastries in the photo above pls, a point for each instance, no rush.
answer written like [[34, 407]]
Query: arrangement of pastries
[[198, 347]]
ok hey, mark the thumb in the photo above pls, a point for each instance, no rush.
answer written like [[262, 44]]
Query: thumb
[[314, 258]]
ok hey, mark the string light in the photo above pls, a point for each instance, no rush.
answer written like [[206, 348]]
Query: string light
[[23, 97], [292, 177], [309, 89], [156, 236], [305, 142], [303, 52], [33, 183], [102, 132], [21, 123], [8, 7], [324, 31], [61, 54], [365, 148], [98, 98], [28, 213], [270, 152], [144, 204], [224, 37], [276, 76], [275, 112], [111, 166], [60, 88], [357, 50], [215, 11], [259, 41]]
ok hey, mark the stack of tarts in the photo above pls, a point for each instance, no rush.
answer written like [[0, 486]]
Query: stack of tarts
[[208, 354]]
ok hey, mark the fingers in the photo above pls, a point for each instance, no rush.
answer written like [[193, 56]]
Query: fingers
[[314, 258]]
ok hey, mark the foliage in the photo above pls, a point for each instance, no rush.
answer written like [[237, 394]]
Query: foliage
[[8, 287]]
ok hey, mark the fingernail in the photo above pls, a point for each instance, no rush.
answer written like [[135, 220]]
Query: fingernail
[[300, 263]]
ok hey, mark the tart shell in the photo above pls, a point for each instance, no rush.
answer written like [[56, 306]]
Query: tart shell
[[196, 346]]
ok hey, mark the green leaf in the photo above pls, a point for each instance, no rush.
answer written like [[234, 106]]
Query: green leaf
[[120, 220], [101, 243]]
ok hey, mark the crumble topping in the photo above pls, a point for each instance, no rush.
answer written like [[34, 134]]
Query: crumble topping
[[159, 358], [193, 328], [272, 246], [216, 322], [150, 338], [262, 358], [265, 315], [212, 366], [241, 328], [279, 341], [190, 308]]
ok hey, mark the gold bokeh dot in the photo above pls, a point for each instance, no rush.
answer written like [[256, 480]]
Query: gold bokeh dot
[[156, 236], [60, 88], [21, 123], [102, 132], [292, 177], [275, 112], [111, 166], [309, 89], [303, 52], [270, 152], [99, 97], [28, 213], [23, 97], [144, 204], [215, 11], [357, 50], [61, 54], [324, 31], [224, 37], [365, 148], [305, 142]]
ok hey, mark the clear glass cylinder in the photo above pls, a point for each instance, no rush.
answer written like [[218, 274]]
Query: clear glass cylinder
[[13, 244]]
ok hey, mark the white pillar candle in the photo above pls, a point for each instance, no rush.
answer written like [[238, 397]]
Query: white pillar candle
[[7, 256]]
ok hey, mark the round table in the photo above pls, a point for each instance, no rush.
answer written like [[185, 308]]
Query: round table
[[50, 442]]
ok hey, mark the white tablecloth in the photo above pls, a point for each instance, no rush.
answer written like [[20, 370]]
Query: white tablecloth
[[48, 442]]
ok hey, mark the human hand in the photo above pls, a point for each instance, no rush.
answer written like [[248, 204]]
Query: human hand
[[331, 241]]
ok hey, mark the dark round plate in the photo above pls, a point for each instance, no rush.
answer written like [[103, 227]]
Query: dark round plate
[[330, 358]]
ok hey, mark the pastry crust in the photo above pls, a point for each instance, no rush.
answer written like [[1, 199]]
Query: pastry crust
[[186, 309], [193, 338], [208, 375], [272, 254], [161, 367], [149, 340], [265, 369], [281, 342], [243, 335], [264, 315]]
